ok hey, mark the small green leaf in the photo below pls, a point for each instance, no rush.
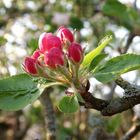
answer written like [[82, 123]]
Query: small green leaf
[[116, 66], [68, 104], [18, 91], [113, 123], [96, 61], [91, 55]]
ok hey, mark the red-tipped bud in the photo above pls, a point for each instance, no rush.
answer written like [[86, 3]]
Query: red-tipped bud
[[65, 34], [75, 53], [48, 41], [54, 58], [39, 57], [36, 54], [30, 65]]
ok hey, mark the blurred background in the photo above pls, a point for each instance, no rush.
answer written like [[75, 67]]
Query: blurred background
[[21, 23]]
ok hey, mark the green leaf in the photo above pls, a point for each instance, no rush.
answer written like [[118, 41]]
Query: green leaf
[[91, 55], [116, 66], [110, 8], [96, 61], [18, 91], [68, 104], [113, 123], [76, 23]]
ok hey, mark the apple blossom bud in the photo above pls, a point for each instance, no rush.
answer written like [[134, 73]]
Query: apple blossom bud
[[48, 41], [54, 58], [36, 54], [30, 65], [75, 53], [65, 34], [39, 57]]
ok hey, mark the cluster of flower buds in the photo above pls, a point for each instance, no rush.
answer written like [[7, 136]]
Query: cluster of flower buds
[[59, 54]]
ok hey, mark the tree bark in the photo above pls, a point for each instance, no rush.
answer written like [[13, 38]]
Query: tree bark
[[110, 107], [48, 114]]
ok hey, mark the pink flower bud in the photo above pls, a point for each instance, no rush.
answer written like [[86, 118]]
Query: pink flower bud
[[48, 41], [39, 60], [75, 53], [29, 65], [65, 34], [36, 54], [54, 58]]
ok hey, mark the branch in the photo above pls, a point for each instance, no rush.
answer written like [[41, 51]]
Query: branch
[[134, 130], [114, 106], [49, 114], [121, 104], [21, 132], [135, 5], [129, 41], [129, 88], [93, 102]]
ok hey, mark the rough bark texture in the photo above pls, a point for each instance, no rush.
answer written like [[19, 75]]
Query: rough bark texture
[[92, 102], [49, 114], [110, 107]]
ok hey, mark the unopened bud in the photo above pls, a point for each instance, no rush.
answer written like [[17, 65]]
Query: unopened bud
[[65, 35], [30, 65], [48, 41], [75, 53], [54, 58]]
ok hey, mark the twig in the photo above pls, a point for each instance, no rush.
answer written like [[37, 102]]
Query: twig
[[21, 133], [132, 132], [93, 102], [49, 114], [135, 5], [121, 104], [114, 106], [124, 84], [129, 41]]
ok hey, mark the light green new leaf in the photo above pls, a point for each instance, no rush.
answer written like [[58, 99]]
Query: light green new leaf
[[116, 66], [18, 91], [68, 104], [91, 55]]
